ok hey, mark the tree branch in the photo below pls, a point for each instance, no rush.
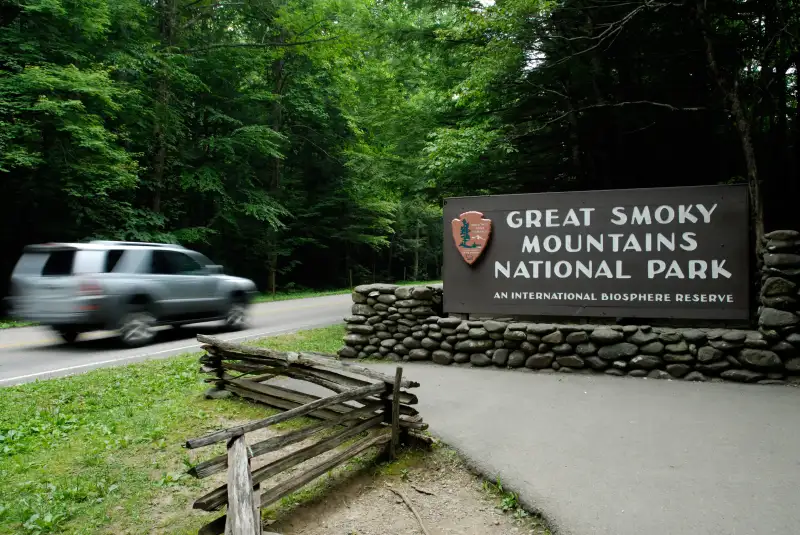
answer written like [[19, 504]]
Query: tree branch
[[306, 30], [190, 4], [613, 29], [670, 107], [257, 45], [664, 105]]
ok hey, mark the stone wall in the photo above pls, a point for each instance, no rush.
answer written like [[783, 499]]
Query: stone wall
[[405, 323], [780, 280], [384, 315]]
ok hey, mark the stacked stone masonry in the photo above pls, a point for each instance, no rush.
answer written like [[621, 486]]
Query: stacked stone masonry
[[405, 323], [780, 283]]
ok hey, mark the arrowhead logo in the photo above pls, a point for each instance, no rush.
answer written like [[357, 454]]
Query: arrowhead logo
[[471, 233]]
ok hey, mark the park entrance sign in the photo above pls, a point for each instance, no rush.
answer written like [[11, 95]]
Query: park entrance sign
[[637, 253]]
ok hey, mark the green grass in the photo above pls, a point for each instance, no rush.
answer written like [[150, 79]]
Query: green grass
[[302, 294], [323, 340], [101, 453], [11, 324], [92, 453], [508, 502]]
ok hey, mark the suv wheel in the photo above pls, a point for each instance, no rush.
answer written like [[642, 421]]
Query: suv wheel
[[236, 318], [69, 335], [137, 329]]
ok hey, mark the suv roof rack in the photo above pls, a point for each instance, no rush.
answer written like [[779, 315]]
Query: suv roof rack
[[137, 243]]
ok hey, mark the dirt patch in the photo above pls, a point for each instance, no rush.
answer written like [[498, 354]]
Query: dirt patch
[[448, 497]]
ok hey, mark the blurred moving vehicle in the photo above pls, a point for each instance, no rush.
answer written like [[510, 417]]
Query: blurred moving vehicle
[[132, 287]]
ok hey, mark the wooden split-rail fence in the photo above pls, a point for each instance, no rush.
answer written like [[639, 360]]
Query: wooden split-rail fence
[[364, 400]]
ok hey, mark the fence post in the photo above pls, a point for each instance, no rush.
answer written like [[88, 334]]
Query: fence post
[[257, 506], [241, 517], [398, 379]]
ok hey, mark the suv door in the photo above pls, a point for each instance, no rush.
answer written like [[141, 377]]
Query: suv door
[[189, 291]]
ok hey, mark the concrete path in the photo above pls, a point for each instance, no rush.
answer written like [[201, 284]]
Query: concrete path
[[31, 353], [604, 455]]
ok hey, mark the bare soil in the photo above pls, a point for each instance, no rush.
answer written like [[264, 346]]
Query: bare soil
[[448, 497]]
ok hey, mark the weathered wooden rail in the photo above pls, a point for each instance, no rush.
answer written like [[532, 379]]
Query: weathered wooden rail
[[364, 401]]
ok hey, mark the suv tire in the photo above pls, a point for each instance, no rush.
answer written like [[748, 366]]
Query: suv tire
[[69, 335], [236, 316], [137, 328]]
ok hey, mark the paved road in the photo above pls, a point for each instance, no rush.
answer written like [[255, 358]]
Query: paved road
[[614, 456], [31, 353]]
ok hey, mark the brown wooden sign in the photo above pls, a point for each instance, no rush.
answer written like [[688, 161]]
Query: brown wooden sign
[[636, 253], [471, 233]]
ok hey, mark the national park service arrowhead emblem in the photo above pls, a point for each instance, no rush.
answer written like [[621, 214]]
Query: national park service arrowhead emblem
[[471, 233]]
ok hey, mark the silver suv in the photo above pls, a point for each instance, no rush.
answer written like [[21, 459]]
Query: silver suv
[[129, 286]]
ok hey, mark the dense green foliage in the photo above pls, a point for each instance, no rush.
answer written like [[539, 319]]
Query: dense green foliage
[[301, 141]]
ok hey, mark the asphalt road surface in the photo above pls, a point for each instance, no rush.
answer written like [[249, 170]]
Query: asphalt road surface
[[31, 353], [603, 455]]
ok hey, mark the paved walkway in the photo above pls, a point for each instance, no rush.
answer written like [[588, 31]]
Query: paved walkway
[[602, 455]]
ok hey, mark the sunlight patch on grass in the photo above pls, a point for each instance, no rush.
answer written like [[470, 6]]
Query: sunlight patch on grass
[[324, 340]]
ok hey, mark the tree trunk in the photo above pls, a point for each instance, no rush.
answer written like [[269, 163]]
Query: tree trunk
[[783, 183], [168, 10], [391, 257], [347, 269], [603, 125], [416, 254], [794, 175], [730, 91], [278, 74]]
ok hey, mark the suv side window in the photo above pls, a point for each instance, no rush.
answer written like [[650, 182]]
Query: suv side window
[[201, 258], [31, 264], [159, 265], [112, 259], [59, 263], [174, 263], [183, 264]]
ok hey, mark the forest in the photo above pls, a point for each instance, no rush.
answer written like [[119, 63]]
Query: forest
[[304, 142]]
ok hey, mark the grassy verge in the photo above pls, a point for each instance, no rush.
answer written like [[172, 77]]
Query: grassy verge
[[101, 452], [323, 340], [302, 294], [88, 453], [11, 324]]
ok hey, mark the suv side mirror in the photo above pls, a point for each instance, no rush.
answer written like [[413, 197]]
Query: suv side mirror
[[214, 269]]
